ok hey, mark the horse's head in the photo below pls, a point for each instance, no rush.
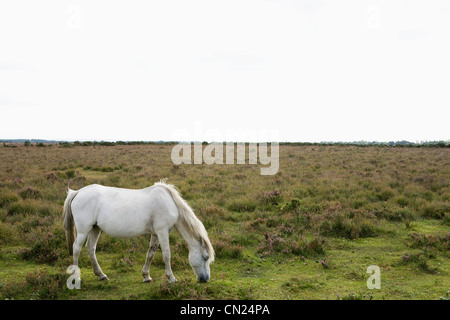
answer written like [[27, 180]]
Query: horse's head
[[200, 258]]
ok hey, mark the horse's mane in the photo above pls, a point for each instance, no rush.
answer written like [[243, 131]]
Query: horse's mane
[[188, 218]]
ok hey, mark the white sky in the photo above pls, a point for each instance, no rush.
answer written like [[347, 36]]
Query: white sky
[[287, 70]]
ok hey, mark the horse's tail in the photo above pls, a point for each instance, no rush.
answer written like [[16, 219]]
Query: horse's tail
[[69, 223], [188, 218]]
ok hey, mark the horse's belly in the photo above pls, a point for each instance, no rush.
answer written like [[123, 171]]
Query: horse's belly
[[125, 226]]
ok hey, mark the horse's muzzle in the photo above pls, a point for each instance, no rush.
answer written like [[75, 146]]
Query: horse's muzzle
[[203, 278]]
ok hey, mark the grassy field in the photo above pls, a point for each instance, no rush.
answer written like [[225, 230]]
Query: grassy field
[[308, 232]]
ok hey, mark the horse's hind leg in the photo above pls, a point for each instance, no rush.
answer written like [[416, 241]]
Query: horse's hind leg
[[91, 245], [77, 245], [154, 243]]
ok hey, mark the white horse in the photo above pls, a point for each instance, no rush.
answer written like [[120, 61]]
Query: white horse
[[128, 213]]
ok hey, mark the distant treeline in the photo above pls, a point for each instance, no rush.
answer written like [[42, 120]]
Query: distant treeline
[[403, 143], [116, 143], [431, 144], [67, 144]]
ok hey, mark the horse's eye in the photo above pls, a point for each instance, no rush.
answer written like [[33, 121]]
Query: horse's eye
[[206, 257]]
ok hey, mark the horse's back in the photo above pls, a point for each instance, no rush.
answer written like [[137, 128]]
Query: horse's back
[[124, 212]]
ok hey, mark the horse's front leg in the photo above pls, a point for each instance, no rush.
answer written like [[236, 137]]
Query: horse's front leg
[[165, 248], [154, 243]]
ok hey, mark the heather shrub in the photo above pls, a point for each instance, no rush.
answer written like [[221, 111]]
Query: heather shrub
[[275, 243], [123, 264], [393, 213], [30, 223], [431, 242], [285, 240], [419, 260], [211, 211], [7, 197], [22, 208], [347, 224], [269, 197], [29, 207], [30, 193], [255, 225], [7, 233], [242, 205], [384, 195], [435, 210], [291, 205], [46, 247], [38, 285], [226, 247], [70, 173], [52, 176]]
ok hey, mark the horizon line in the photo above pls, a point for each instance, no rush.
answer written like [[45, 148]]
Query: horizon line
[[55, 141]]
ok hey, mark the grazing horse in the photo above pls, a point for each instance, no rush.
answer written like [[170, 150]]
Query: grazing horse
[[155, 210]]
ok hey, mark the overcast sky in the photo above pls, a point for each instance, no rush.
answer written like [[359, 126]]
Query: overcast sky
[[285, 70]]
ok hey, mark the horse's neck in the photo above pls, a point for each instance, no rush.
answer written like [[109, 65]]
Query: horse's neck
[[187, 236]]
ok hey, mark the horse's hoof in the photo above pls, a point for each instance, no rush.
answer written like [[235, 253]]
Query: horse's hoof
[[147, 280], [103, 277]]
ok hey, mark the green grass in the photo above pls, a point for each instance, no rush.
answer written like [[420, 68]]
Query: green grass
[[308, 232]]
